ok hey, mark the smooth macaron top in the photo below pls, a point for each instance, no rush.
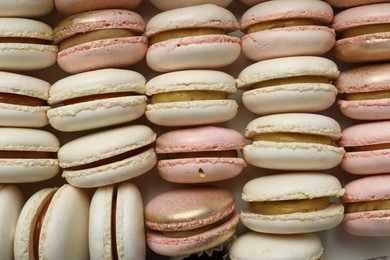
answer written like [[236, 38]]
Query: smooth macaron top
[[366, 134], [199, 16], [173, 4], [352, 3], [75, 6], [25, 28], [368, 189], [25, 8], [285, 9]]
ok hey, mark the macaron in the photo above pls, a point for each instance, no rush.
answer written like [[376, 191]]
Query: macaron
[[199, 155], [25, 8], [100, 39], [191, 97], [26, 44], [173, 4], [367, 147], [27, 155], [365, 92], [288, 84], [292, 203], [53, 224], [367, 206], [11, 203], [96, 99], [364, 33], [352, 3], [293, 141], [69, 7], [187, 221], [23, 100], [108, 157], [282, 28], [258, 246], [194, 37], [116, 223]]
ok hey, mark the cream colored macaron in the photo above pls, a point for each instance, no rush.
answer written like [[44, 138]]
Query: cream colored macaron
[[25, 8]]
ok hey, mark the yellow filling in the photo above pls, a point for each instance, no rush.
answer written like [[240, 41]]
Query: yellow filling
[[293, 137], [291, 80], [190, 95], [282, 23], [180, 33], [370, 147], [368, 95], [366, 29], [289, 206], [367, 206]]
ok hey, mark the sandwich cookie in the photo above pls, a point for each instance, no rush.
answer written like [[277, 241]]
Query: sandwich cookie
[[289, 84], [69, 7], [187, 221], [193, 37], [293, 141], [192, 97], [100, 39], [198, 155], [25, 44], [53, 224], [352, 3], [27, 155], [108, 157], [173, 4], [116, 223], [292, 203], [23, 100], [283, 28], [25, 8], [96, 99]]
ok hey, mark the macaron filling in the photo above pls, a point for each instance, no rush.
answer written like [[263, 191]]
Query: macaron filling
[[17, 99], [181, 33], [369, 147], [25, 155], [365, 29], [363, 206], [82, 99], [367, 95], [285, 137], [190, 95], [113, 224], [262, 26], [23, 40], [290, 80]]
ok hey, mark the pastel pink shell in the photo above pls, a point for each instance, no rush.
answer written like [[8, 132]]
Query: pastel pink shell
[[352, 3]]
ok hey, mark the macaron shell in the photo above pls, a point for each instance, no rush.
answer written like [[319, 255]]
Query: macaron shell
[[352, 3], [367, 189], [173, 4], [370, 223], [74, 6], [23, 116], [366, 109], [25, 8]]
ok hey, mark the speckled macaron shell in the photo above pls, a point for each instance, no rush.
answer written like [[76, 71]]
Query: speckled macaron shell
[[129, 234], [371, 161], [98, 112], [106, 53], [16, 56], [353, 3], [193, 52], [69, 7], [372, 222], [293, 155], [19, 115], [196, 112], [289, 97], [293, 186], [25, 8], [95, 147], [64, 226], [188, 209], [277, 42], [21, 170], [165, 5], [363, 48], [364, 79], [11, 203], [254, 245], [199, 169]]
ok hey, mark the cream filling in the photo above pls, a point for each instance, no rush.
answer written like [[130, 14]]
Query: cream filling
[[291, 80], [367, 95], [262, 26], [293, 137], [365, 29], [190, 95], [181, 33], [367, 206]]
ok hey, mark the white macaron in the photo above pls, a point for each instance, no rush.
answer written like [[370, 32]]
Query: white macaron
[[25, 8]]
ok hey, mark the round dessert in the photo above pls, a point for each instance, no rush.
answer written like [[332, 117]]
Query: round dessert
[[116, 223], [25, 44], [258, 246], [97, 99], [187, 221], [69, 7], [292, 203], [192, 97], [199, 155], [108, 157], [367, 206], [193, 37], [100, 39], [352, 3], [27, 155], [23, 100], [367, 147], [165, 5], [289, 84], [366, 92], [364, 33], [25, 8], [293, 141], [273, 27], [53, 224]]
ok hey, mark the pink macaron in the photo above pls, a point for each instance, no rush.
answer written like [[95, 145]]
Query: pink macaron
[[198, 155], [364, 33], [100, 39], [367, 206], [352, 3], [69, 7], [367, 147], [365, 92], [283, 28]]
